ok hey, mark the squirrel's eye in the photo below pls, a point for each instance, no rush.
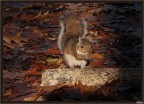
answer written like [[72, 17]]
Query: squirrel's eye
[[82, 46]]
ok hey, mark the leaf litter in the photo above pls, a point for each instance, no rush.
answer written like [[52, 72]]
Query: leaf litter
[[30, 33]]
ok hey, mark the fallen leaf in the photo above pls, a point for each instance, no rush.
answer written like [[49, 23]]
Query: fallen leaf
[[32, 98], [89, 17], [35, 47], [32, 35], [36, 83], [10, 45], [104, 36], [24, 57], [33, 71], [24, 16], [17, 38], [105, 90], [96, 56], [83, 89], [98, 63], [51, 60], [38, 65], [14, 95], [45, 15], [98, 10], [29, 79], [13, 75], [96, 46], [108, 29], [61, 6], [41, 16], [52, 51], [22, 96], [7, 93], [41, 98], [52, 38], [37, 16], [59, 62]]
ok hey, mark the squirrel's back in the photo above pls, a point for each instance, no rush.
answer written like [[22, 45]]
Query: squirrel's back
[[71, 26]]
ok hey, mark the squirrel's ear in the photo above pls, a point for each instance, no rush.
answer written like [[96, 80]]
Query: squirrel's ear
[[80, 39]]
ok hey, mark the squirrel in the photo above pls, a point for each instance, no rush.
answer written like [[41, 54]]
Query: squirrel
[[75, 48]]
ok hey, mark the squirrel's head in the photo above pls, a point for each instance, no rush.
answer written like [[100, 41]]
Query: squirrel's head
[[83, 47]]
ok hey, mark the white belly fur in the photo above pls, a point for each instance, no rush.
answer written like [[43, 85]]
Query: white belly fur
[[72, 61]]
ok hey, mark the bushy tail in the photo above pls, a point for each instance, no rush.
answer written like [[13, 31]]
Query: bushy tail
[[71, 26], [61, 36], [75, 25]]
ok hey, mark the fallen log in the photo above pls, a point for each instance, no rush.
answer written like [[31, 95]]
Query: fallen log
[[89, 76]]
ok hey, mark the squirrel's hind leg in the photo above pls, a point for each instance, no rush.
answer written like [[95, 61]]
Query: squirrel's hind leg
[[68, 62], [70, 65]]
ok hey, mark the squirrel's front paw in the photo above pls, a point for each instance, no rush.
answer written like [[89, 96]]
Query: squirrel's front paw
[[83, 64]]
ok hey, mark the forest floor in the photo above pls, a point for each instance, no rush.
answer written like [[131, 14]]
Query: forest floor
[[30, 32]]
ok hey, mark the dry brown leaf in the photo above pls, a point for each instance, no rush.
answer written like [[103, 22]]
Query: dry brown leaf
[[41, 16], [24, 39], [29, 79], [24, 57], [98, 63], [59, 62], [16, 38], [36, 83], [23, 16], [83, 89], [45, 15], [104, 36], [105, 90], [10, 45], [33, 71], [96, 46], [21, 96], [34, 34], [52, 51], [32, 98], [80, 87], [108, 29], [95, 10], [7, 93], [61, 6], [51, 38], [38, 66], [41, 98], [37, 16], [12, 75], [51, 60], [92, 23], [98, 10], [96, 56], [89, 16]]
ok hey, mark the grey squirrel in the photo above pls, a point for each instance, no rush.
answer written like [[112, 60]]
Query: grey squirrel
[[75, 48]]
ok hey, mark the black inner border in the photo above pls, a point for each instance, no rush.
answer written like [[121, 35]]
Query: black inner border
[[72, 1]]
